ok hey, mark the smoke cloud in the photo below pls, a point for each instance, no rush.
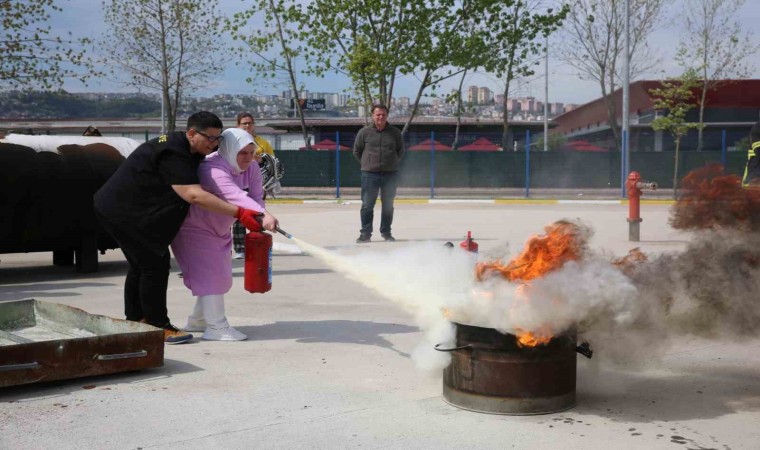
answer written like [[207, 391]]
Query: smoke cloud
[[629, 309]]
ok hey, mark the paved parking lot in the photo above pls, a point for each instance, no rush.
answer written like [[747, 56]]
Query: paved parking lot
[[328, 363]]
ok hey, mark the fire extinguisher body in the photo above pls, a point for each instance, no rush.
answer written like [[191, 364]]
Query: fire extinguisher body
[[258, 262], [469, 244]]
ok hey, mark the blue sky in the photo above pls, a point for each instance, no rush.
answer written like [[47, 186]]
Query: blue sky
[[84, 18]]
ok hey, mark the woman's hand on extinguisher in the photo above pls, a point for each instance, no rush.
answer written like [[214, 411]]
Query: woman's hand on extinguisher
[[269, 222], [249, 219]]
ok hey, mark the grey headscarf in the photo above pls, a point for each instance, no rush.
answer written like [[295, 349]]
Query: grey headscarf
[[235, 139]]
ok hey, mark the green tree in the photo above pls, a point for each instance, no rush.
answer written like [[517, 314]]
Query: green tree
[[450, 46], [594, 45], [166, 45], [512, 33], [370, 41], [32, 55], [715, 45], [455, 97], [555, 143], [272, 45], [675, 98]]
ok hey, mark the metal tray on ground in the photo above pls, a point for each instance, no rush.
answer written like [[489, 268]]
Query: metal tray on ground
[[42, 341]]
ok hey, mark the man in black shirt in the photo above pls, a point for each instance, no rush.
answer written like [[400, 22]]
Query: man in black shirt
[[144, 204]]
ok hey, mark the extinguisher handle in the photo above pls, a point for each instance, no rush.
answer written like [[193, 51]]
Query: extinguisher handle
[[260, 218]]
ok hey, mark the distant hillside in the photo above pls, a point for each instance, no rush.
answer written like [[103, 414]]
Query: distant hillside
[[64, 105]]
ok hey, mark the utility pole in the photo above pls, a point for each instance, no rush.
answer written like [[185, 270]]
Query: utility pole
[[546, 95], [625, 159]]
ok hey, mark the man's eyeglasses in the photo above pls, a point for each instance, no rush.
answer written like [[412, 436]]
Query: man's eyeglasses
[[246, 124], [219, 138]]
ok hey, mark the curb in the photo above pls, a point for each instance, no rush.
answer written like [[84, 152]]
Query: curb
[[473, 201]]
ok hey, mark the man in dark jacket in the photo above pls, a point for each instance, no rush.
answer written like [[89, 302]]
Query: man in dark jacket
[[143, 205], [379, 148], [752, 169]]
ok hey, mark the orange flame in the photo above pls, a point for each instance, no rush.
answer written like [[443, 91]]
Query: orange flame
[[542, 254], [630, 261], [529, 339], [713, 199]]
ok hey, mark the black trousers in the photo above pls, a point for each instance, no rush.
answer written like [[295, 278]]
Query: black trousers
[[147, 278]]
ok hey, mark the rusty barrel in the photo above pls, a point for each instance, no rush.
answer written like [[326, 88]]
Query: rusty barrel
[[490, 373]]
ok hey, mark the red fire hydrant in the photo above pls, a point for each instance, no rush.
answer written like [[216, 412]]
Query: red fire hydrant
[[633, 187]]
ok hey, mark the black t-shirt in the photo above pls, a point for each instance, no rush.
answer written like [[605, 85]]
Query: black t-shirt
[[139, 199]]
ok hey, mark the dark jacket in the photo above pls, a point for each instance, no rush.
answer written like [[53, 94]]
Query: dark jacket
[[139, 199], [379, 150]]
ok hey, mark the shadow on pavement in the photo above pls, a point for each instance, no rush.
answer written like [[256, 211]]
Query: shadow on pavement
[[50, 272], [45, 290], [705, 393], [330, 331], [63, 388]]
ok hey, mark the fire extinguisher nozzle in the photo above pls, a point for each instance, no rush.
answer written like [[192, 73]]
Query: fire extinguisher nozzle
[[284, 233]]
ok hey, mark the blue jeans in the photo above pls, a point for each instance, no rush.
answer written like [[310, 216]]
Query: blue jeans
[[385, 183]]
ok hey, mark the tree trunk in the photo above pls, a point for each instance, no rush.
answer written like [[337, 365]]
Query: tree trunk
[[422, 88], [609, 101], [505, 122], [455, 144], [171, 112], [675, 169], [291, 73], [702, 101]]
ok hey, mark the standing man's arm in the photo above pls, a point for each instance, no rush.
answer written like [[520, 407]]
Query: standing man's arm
[[400, 150], [359, 146]]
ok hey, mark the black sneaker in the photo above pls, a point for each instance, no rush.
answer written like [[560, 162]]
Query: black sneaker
[[363, 238], [388, 237]]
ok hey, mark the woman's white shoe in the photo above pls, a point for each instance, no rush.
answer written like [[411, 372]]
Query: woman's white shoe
[[218, 329], [223, 334]]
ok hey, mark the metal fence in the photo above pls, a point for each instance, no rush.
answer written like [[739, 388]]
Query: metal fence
[[430, 162]]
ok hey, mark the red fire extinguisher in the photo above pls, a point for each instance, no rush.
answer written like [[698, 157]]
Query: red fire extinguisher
[[469, 243], [258, 262]]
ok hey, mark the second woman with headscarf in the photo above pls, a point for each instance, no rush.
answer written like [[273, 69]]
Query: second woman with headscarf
[[204, 243]]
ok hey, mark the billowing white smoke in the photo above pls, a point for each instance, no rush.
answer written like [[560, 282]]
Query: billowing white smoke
[[627, 315], [437, 286]]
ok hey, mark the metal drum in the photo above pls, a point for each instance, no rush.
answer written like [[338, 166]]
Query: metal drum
[[490, 373]]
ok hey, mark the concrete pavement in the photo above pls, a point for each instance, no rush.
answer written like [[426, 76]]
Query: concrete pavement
[[328, 365]]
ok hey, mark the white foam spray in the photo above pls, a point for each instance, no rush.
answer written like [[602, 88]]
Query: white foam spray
[[628, 315], [437, 286]]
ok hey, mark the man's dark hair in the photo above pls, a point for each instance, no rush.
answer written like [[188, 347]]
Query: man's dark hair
[[379, 106], [243, 115], [754, 133], [203, 120]]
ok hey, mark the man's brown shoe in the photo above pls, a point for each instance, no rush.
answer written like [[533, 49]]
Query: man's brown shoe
[[173, 335]]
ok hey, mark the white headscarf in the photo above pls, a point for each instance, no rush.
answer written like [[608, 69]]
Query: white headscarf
[[235, 139]]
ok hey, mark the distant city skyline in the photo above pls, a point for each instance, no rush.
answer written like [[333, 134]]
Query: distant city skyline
[[565, 85]]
